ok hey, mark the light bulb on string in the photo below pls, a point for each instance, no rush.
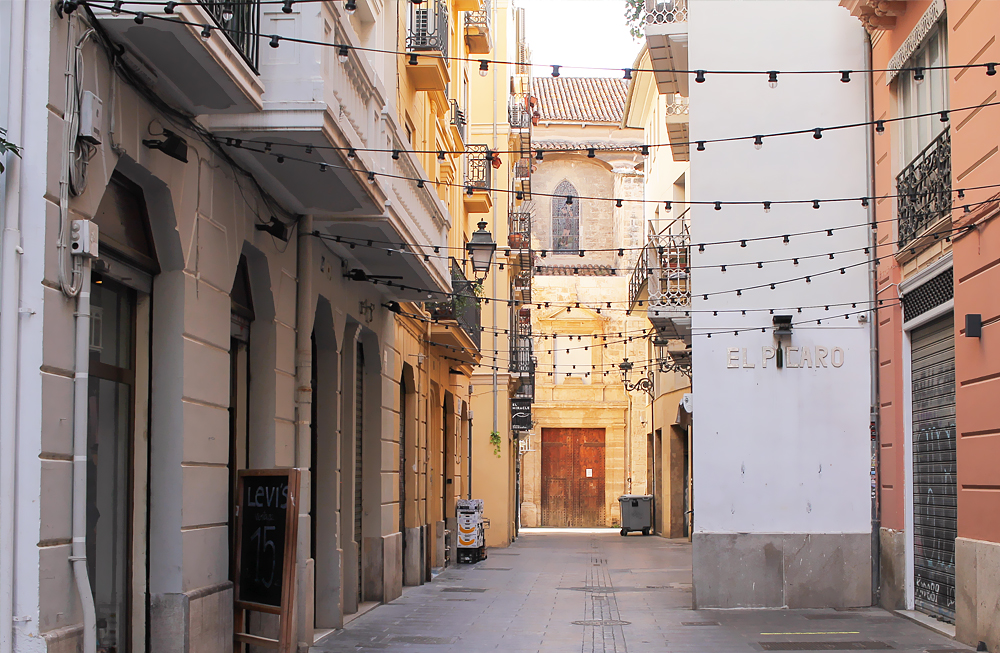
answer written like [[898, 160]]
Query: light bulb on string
[[227, 13], [772, 78], [343, 54], [758, 142], [350, 6], [484, 67]]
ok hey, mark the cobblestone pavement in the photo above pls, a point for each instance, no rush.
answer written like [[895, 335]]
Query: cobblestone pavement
[[596, 592]]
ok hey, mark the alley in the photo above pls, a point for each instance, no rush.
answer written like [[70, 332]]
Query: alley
[[557, 590]]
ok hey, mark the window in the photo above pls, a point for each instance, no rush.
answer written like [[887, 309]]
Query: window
[[565, 219], [571, 359], [929, 95]]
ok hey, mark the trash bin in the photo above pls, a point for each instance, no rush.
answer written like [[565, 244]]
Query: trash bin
[[637, 513]]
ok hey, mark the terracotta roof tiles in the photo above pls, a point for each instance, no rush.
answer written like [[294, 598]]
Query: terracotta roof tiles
[[580, 99]]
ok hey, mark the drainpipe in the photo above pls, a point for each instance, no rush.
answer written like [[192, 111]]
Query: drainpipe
[[876, 542], [10, 303], [303, 409], [80, 404]]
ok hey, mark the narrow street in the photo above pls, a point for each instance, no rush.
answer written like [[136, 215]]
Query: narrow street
[[593, 591]]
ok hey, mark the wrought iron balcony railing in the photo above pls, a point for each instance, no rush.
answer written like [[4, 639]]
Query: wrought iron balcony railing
[[428, 27], [924, 189], [463, 307], [239, 20], [478, 167], [659, 12], [458, 119], [664, 267], [521, 354], [519, 229], [479, 19]]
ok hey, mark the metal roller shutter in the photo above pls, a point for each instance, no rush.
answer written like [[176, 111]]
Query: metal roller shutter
[[934, 468], [359, 424]]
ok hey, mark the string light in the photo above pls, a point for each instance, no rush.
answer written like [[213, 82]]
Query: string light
[[772, 78]]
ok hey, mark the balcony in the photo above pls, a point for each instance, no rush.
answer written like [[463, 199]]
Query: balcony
[[198, 75], [519, 229], [463, 310], [478, 35], [457, 124], [924, 189], [298, 148], [662, 279], [478, 174], [678, 127], [667, 38], [427, 46]]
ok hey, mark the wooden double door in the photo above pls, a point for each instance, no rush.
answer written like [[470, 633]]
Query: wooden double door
[[573, 478]]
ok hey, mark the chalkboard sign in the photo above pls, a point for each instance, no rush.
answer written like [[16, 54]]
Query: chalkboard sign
[[267, 518]]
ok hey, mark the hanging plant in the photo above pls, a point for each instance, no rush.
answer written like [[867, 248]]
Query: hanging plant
[[7, 146], [635, 15], [495, 441]]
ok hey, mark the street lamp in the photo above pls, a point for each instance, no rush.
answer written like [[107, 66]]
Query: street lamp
[[481, 248], [645, 383], [672, 358]]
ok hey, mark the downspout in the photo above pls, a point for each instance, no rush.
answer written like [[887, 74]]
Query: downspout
[[80, 404], [303, 405], [493, 292], [876, 541], [10, 303]]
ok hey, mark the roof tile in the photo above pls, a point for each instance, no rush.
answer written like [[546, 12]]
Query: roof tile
[[580, 99]]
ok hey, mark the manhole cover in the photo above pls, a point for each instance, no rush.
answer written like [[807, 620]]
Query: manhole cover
[[601, 622], [463, 589], [825, 646]]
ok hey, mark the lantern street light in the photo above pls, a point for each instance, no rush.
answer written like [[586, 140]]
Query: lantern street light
[[645, 383], [670, 358], [481, 248]]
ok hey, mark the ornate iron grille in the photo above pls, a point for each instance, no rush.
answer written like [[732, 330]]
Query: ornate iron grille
[[666, 11], [481, 18], [463, 307], [458, 119], [428, 28], [677, 105], [664, 264], [478, 166], [929, 295], [520, 341], [239, 20], [519, 229], [924, 189]]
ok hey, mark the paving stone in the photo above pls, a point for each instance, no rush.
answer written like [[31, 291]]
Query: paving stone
[[602, 593]]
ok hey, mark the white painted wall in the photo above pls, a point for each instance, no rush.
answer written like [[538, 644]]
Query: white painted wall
[[779, 451]]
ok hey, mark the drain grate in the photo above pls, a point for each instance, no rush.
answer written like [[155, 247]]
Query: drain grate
[[825, 646], [463, 589], [699, 623], [601, 622]]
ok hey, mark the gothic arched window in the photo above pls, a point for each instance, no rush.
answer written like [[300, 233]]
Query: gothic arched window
[[565, 218]]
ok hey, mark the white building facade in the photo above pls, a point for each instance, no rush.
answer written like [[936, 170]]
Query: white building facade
[[782, 508]]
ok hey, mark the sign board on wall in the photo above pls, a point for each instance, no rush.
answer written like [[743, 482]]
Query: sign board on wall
[[520, 414], [266, 533]]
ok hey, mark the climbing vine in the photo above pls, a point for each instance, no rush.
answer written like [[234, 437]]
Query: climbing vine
[[7, 146], [635, 11], [495, 441]]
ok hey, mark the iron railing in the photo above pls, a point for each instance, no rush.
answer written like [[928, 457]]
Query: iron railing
[[478, 166], [428, 28], [458, 119], [924, 189], [463, 307], [520, 341], [479, 19], [519, 229], [659, 12], [517, 114], [664, 267], [239, 20]]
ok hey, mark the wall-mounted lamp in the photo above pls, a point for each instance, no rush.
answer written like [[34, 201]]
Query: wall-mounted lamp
[[172, 145], [276, 228], [973, 325], [782, 325]]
